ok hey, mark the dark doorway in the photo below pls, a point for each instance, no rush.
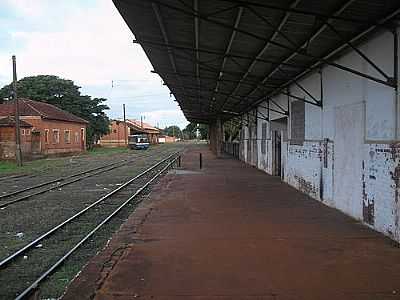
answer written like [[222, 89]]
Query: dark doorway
[[82, 138], [277, 153], [36, 149]]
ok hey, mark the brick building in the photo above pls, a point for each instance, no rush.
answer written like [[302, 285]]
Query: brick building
[[117, 136], [45, 129]]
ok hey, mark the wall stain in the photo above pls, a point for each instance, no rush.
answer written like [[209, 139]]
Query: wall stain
[[305, 186], [368, 203]]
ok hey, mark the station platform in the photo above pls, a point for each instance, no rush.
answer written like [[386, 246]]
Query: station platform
[[230, 231]]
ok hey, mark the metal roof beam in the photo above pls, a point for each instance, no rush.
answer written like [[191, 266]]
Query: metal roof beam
[[265, 4], [319, 104], [264, 118], [277, 105], [156, 10], [284, 112], [196, 42], [218, 53], [166, 73], [334, 52], [359, 52], [211, 69], [228, 49], [213, 91], [264, 49], [277, 30], [325, 59]]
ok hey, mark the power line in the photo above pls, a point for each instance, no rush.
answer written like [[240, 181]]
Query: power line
[[138, 96]]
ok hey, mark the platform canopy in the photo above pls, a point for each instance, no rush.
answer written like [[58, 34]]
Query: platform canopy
[[220, 58]]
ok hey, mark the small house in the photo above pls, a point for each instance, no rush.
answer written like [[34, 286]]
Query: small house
[[44, 129], [117, 136]]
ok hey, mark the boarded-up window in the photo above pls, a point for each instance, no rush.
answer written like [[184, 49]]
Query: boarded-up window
[[297, 122], [76, 137], [263, 138]]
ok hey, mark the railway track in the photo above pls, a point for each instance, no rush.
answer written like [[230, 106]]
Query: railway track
[[50, 185], [79, 161], [49, 251]]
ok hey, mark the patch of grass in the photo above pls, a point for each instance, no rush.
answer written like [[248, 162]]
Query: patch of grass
[[39, 165], [7, 167], [10, 167], [47, 164]]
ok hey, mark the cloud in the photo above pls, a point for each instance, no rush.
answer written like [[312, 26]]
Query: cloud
[[162, 118], [88, 42], [28, 8]]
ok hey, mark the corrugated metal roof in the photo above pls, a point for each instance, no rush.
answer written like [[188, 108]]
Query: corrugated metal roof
[[227, 55]]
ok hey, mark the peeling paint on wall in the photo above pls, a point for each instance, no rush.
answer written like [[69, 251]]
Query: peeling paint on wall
[[346, 159]]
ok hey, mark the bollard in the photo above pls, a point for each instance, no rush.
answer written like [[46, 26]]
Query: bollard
[[179, 161], [200, 160]]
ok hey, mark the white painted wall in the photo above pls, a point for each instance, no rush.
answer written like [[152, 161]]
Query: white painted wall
[[349, 159]]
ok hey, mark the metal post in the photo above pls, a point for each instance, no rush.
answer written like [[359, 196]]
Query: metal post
[[125, 129], [201, 160], [179, 161], [18, 153], [396, 78]]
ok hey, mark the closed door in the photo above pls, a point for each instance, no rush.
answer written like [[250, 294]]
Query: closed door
[[348, 159], [277, 153], [36, 148]]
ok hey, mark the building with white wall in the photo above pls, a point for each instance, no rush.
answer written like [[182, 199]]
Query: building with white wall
[[312, 84], [344, 153]]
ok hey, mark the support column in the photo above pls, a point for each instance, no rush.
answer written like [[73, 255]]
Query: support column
[[216, 136], [219, 137]]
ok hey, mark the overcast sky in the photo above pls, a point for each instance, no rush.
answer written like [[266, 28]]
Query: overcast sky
[[88, 42]]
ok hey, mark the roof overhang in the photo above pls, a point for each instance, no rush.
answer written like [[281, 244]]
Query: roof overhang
[[219, 56]]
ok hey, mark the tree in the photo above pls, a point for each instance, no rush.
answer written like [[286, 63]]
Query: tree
[[66, 95], [172, 131], [231, 130], [191, 129], [203, 130]]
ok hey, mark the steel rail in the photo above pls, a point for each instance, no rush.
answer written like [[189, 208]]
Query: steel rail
[[61, 179], [103, 169], [55, 180], [35, 284], [78, 214]]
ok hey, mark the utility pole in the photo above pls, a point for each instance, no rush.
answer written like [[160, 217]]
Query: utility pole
[[141, 122], [125, 129], [18, 153]]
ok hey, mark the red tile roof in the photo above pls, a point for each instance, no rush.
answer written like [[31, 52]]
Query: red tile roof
[[146, 127], [29, 107], [10, 122]]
